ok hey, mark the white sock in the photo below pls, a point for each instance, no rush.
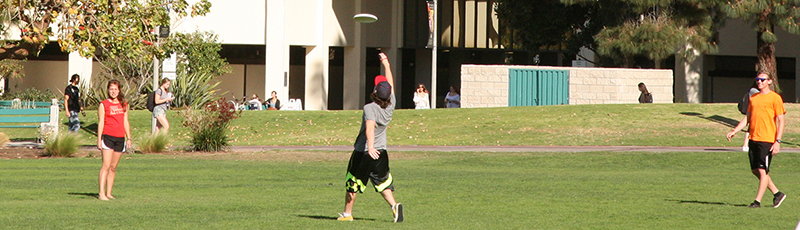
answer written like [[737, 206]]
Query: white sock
[[346, 214]]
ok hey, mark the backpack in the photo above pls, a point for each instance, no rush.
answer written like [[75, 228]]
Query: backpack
[[744, 103], [151, 100]]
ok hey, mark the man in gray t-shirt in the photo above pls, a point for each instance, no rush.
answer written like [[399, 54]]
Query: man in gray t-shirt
[[370, 161]]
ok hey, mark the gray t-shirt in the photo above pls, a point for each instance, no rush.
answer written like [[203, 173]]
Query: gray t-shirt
[[164, 95], [382, 117]]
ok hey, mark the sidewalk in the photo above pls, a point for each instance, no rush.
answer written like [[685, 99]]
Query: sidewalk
[[510, 148]]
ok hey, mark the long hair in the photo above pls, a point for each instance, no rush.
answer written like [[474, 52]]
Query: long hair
[[424, 89], [120, 96], [164, 81], [382, 103], [644, 88]]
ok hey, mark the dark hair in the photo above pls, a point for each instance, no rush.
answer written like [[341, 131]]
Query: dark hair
[[644, 88], [74, 77], [423, 87], [120, 96], [456, 88], [379, 101]]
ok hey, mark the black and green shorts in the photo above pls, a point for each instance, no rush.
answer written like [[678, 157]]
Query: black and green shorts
[[363, 167]]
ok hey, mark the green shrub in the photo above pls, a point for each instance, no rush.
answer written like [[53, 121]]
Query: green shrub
[[31, 94], [155, 143], [62, 145], [208, 126]]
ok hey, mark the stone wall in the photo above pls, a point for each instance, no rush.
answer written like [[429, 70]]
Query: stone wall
[[487, 85]]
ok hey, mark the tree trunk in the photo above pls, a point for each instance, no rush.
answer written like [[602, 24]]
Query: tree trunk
[[766, 55]]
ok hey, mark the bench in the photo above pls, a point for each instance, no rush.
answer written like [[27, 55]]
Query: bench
[[18, 114]]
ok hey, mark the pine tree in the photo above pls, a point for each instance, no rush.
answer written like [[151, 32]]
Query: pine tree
[[655, 29], [765, 15]]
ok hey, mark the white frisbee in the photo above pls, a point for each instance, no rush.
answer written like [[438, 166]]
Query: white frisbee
[[365, 18]]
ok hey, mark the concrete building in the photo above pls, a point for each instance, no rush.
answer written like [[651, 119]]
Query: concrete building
[[312, 50]]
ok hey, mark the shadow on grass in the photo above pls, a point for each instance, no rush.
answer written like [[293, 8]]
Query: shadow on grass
[[93, 195], [90, 129], [706, 202], [329, 217], [715, 118]]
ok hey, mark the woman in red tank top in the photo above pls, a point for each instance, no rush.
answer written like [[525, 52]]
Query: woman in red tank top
[[112, 129]]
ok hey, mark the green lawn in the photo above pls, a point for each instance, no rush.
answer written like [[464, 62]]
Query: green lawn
[[583, 125], [601, 190]]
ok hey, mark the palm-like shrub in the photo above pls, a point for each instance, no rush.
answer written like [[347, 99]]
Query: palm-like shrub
[[155, 143], [62, 145], [194, 90]]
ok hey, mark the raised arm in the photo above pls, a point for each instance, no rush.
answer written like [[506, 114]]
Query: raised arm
[[387, 69]]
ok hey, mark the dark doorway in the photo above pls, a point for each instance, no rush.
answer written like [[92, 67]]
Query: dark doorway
[[373, 68], [336, 78], [297, 73]]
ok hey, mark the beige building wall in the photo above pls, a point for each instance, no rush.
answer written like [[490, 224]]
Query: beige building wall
[[487, 85], [43, 75]]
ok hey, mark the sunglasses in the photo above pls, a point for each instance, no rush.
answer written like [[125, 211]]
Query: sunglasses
[[761, 79]]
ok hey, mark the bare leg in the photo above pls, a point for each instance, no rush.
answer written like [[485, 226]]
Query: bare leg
[[163, 124], [764, 182], [388, 195], [103, 177], [746, 140], [349, 200], [112, 173]]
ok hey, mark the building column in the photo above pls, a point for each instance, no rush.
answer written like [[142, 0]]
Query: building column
[[688, 80], [317, 65], [355, 68], [81, 66], [276, 68]]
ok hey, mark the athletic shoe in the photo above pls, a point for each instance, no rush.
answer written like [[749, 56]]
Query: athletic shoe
[[397, 210], [755, 204], [344, 218], [778, 199]]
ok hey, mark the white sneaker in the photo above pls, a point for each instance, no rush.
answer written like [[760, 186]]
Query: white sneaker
[[745, 149]]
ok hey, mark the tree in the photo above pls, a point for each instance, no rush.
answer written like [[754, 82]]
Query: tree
[[623, 29], [106, 28], [765, 15]]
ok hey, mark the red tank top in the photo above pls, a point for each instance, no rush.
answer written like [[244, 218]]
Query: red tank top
[[114, 119]]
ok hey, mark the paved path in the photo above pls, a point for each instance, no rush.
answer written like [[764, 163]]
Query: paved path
[[511, 148]]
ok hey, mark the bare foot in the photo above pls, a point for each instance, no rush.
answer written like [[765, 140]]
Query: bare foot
[[111, 197], [102, 198]]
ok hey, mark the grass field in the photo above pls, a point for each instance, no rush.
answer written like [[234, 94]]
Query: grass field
[[581, 125], [600, 190]]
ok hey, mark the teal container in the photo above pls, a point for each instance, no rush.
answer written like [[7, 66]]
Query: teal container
[[533, 87]]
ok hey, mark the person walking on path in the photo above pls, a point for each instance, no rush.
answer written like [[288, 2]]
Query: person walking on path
[[162, 98], [72, 102], [369, 160], [766, 120], [112, 130], [743, 109]]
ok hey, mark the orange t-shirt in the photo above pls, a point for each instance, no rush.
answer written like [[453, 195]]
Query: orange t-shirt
[[763, 109]]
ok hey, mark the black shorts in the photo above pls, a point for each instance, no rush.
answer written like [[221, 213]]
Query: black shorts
[[115, 143], [363, 167], [760, 155]]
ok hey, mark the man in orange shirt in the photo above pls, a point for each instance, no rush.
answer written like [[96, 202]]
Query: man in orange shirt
[[765, 116]]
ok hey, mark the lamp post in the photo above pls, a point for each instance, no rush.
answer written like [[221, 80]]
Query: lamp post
[[432, 42]]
